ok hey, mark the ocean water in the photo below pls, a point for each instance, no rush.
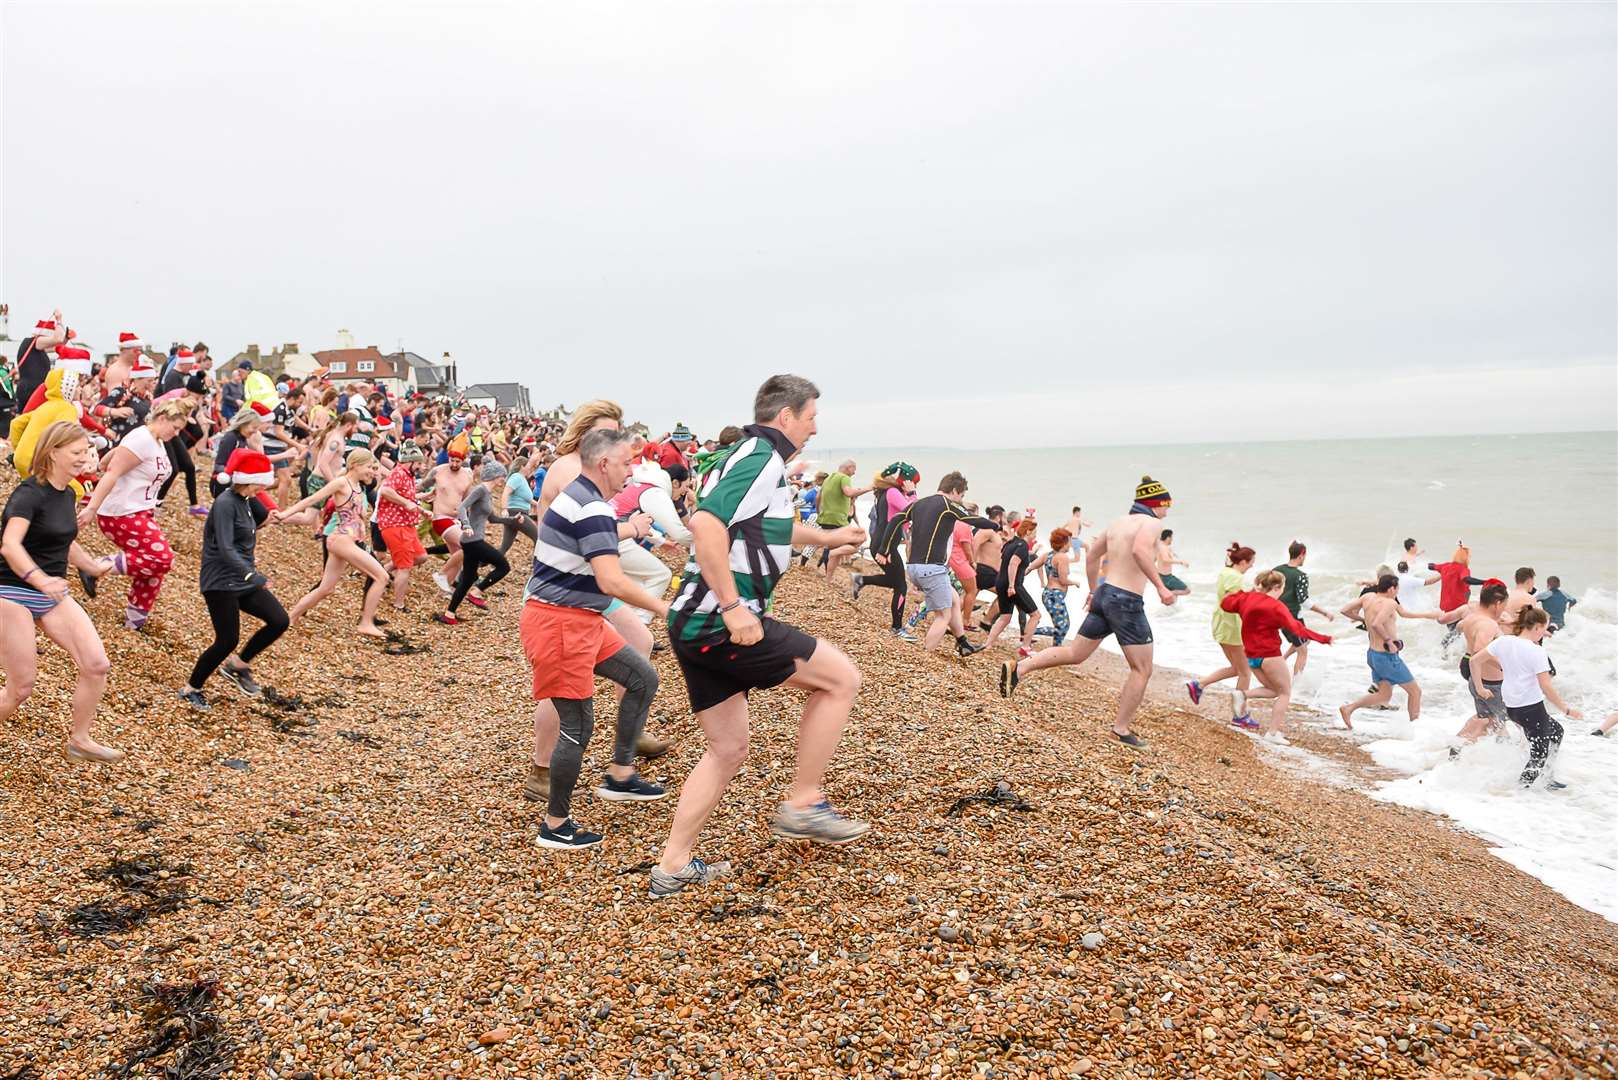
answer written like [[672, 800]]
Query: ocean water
[[1545, 501]]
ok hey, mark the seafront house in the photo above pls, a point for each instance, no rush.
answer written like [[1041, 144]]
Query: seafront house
[[509, 396], [350, 363], [433, 379]]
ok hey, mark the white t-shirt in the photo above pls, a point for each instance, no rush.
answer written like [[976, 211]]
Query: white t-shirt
[[1411, 594], [1521, 661], [136, 489]]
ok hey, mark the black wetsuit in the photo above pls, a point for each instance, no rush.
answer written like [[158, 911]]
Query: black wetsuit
[[932, 528]]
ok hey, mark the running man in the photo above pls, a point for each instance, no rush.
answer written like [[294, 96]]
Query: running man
[[1481, 625], [1381, 611], [743, 530], [835, 509], [1455, 590], [1294, 596], [449, 484], [1520, 598], [1167, 560], [1117, 607], [932, 531]]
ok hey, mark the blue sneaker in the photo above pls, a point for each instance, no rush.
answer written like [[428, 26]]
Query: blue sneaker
[[635, 789], [567, 837], [819, 823], [1245, 722], [1194, 690]]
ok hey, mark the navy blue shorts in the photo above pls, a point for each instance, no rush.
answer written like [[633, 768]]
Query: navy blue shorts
[[1118, 612]]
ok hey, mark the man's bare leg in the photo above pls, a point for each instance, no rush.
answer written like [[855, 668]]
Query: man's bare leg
[[1383, 692], [1139, 658], [725, 728], [833, 682]]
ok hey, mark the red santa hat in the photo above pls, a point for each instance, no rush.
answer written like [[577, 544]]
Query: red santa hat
[[143, 368], [130, 340], [184, 358], [384, 423], [48, 326], [260, 408], [247, 467], [73, 359]]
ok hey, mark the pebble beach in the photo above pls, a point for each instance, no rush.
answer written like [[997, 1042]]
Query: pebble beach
[[341, 880]]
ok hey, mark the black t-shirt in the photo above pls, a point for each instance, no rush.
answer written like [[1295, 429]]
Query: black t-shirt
[[53, 526], [1016, 548], [32, 367]]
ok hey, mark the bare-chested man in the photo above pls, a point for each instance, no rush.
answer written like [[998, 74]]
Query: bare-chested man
[[450, 483], [986, 547], [1520, 597], [1380, 611], [562, 472], [1077, 524], [1481, 625], [1167, 560], [1117, 607]]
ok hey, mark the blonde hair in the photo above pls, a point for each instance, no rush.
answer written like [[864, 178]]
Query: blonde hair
[[585, 418], [358, 458], [60, 434], [1268, 580], [172, 409]]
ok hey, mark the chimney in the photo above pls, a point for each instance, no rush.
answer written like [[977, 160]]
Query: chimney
[[345, 340], [252, 353], [290, 347]]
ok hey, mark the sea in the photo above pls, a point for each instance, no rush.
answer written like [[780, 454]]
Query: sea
[[1547, 501]]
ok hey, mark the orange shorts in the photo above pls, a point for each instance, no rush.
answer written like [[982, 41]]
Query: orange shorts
[[564, 645], [404, 546]]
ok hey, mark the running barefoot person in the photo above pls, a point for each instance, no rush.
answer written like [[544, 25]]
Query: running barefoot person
[[1294, 596], [744, 529], [1058, 567], [1481, 625], [1167, 560], [345, 535], [1263, 616], [449, 484], [1520, 598], [124, 506], [38, 542], [231, 582], [1129, 545], [1526, 684], [1381, 611], [568, 643], [1227, 634], [588, 417]]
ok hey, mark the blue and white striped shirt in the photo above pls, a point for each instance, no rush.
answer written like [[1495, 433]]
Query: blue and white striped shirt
[[578, 526]]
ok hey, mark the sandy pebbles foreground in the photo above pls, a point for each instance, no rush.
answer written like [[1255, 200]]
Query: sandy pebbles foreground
[[347, 885]]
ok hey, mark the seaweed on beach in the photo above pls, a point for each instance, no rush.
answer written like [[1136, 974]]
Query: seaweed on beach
[[722, 912], [999, 795], [139, 873], [396, 644], [181, 1021], [100, 918], [360, 738]]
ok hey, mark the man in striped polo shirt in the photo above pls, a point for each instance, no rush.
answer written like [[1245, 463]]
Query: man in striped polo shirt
[[568, 642], [743, 531]]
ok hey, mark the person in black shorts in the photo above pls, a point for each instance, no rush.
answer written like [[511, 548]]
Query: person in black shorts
[[743, 532], [1116, 608]]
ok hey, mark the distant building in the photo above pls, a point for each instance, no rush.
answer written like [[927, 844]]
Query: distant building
[[287, 361], [513, 397], [432, 379], [367, 364]]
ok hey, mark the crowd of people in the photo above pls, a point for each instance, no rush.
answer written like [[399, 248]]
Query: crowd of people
[[383, 483]]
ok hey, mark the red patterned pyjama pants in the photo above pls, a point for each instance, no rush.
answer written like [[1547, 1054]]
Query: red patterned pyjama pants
[[147, 552]]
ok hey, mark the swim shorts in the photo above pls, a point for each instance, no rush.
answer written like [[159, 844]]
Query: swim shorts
[[717, 671], [986, 576], [1492, 708], [933, 581], [33, 601], [441, 525], [403, 545], [1019, 600], [1118, 612], [564, 645], [1255, 662], [1388, 667]]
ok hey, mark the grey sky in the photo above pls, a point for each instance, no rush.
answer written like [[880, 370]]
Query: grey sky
[[1036, 225]]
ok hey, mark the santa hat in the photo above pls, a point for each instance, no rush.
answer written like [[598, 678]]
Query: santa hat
[[247, 467], [384, 424], [129, 340], [73, 359], [48, 326], [259, 407], [184, 358], [143, 368]]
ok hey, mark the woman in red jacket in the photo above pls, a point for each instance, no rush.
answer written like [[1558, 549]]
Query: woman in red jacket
[[1263, 618]]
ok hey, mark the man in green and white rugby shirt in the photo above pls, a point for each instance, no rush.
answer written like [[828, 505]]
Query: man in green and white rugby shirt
[[743, 531]]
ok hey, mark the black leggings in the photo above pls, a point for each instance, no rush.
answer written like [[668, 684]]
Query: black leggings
[[1544, 735], [474, 552], [891, 577], [635, 674], [225, 609], [521, 523], [180, 458]]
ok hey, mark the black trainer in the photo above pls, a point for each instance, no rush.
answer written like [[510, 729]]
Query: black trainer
[[635, 789], [567, 837], [1008, 678], [194, 699], [242, 679], [964, 647]]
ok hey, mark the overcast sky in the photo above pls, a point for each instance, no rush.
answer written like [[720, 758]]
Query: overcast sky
[[997, 224]]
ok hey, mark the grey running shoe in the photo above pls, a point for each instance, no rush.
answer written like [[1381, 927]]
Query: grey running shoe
[[696, 872], [905, 635], [194, 699], [819, 823], [243, 680]]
